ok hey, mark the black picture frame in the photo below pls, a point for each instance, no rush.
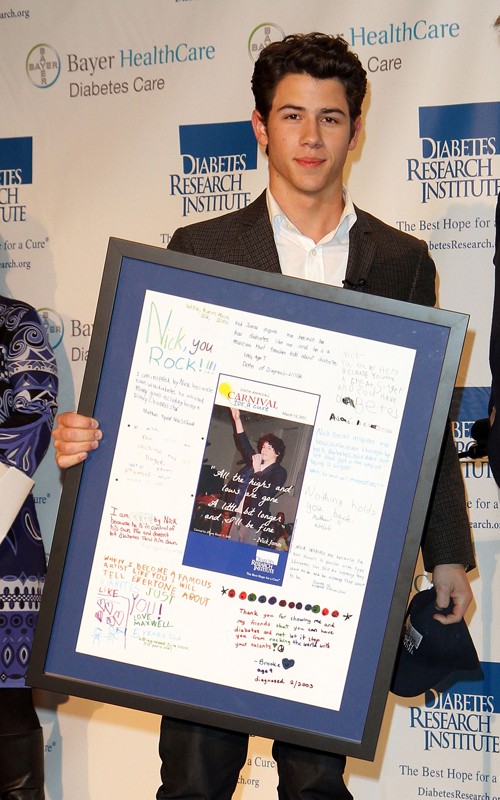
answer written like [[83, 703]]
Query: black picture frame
[[433, 338]]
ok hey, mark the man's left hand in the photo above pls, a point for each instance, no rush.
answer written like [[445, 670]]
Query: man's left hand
[[451, 584]]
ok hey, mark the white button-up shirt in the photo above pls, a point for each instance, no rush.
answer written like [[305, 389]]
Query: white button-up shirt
[[301, 257]]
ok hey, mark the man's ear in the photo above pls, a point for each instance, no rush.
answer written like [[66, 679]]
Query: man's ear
[[259, 128], [355, 136]]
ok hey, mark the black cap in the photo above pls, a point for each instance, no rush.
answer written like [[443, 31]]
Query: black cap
[[429, 651]]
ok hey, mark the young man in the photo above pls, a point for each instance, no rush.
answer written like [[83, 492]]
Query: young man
[[255, 485], [308, 94]]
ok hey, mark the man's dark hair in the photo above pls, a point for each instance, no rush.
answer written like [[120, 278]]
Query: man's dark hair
[[276, 443], [319, 55]]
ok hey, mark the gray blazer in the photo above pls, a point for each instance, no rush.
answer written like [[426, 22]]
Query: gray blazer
[[382, 261]]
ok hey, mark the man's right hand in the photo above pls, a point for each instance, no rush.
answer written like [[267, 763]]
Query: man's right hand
[[74, 437]]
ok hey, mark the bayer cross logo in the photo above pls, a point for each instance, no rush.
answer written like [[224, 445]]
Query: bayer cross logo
[[261, 36], [53, 324], [43, 66]]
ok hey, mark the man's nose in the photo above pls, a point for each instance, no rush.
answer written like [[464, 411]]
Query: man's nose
[[311, 133]]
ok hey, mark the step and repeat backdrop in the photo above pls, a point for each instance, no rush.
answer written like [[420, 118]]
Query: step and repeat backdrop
[[129, 120]]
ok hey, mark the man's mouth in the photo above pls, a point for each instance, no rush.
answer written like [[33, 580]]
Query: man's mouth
[[310, 163]]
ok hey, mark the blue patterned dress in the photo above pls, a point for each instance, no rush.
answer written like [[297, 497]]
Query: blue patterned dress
[[28, 402]]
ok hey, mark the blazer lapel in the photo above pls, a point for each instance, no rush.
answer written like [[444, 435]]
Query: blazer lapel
[[362, 251], [256, 245]]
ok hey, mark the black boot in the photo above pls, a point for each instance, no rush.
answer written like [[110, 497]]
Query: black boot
[[21, 766]]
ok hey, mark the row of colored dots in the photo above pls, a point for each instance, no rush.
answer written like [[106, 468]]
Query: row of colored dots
[[253, 598]]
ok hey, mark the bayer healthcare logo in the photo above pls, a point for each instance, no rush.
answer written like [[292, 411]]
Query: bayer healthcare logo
[[53, 324], [43, 66], [263, 35]]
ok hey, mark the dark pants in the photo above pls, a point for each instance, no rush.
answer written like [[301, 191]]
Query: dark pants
[[204, 763]]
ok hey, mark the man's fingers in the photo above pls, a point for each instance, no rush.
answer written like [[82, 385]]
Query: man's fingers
[[72, 419], [64, 462], [452, 585], [75, 435], [72, 448], [70, 434], [449, 619]]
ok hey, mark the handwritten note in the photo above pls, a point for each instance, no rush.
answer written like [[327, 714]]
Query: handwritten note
[[337, 401]]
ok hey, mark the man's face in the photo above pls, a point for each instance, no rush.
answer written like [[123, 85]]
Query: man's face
[[268, 454], [308, 136]]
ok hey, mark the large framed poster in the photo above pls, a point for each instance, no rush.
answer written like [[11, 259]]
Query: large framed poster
[[239, 549]]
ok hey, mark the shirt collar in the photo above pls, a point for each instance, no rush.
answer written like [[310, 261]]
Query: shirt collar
[[278, 217]]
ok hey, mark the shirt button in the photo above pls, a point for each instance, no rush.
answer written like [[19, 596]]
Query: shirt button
[[314, 252]]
